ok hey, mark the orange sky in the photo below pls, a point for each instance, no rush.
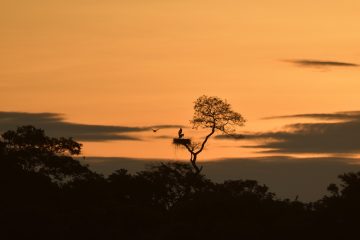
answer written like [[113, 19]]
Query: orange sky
[[143, 63]]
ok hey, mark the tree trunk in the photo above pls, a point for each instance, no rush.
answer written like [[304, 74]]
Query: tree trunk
[[193, 163]]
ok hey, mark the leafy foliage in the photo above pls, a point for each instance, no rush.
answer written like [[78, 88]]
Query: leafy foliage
[[213, 112]]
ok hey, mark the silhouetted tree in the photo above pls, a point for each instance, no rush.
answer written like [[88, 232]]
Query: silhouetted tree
[[175, 182], [338, 213], [32, 151], [161, 185], [347, 191], [214, 114], [37, 175]]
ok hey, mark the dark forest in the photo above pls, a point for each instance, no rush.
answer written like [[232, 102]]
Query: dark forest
[[47, 194]]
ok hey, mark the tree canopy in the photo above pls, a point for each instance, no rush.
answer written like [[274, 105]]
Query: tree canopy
[[214, 114], [31, 150]]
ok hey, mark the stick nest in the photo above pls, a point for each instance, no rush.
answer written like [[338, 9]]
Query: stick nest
[[181, 141]]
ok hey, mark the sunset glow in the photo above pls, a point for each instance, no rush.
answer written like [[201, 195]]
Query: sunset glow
[[143, 63]]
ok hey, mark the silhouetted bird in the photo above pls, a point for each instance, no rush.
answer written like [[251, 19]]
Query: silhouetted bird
[[155, 130], [180, 133]]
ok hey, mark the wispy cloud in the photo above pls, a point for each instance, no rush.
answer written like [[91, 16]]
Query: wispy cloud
[[340, 137], [321, 63], [55, 125], [164, 137], [324, 116]]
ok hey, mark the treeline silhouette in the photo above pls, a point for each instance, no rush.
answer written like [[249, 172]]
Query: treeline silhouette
[[47, 194]]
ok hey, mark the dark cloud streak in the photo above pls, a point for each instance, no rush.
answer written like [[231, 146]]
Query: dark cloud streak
[[324, 116], [341, 137], [55, 125], [320, 63]]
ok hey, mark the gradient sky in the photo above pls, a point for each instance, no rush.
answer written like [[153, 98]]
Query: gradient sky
[[142, 63]]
